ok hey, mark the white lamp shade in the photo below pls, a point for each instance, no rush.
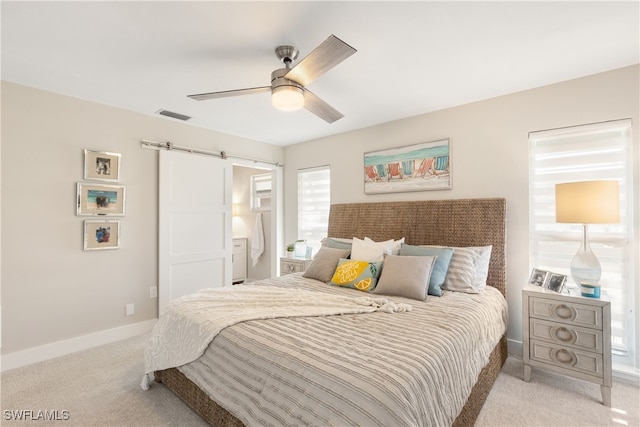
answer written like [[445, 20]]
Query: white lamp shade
[[588, 202], [287, 98]]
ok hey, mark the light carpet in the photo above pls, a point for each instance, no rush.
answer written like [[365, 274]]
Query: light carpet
[[101, 387]]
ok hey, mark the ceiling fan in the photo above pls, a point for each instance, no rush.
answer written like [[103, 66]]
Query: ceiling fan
[[288, 85]]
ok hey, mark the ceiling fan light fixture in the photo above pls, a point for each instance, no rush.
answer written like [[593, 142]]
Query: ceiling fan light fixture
[[287, 98]]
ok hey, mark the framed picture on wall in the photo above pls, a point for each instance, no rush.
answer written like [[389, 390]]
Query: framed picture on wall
[[96, 199], [101, 166], [419, 167], [101, 234]]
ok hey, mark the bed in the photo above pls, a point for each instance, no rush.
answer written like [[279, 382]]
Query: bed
[[229, 365]]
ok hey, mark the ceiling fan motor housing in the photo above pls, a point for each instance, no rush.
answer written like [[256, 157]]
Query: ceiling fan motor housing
[[278, 79], [286, 54]]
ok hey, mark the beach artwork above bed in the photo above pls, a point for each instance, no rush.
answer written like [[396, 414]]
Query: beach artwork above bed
[[419, 167]]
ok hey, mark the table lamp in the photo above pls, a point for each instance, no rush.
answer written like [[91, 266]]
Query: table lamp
[[587, 202]]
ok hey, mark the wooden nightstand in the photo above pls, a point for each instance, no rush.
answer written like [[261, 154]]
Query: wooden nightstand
[[567, 334], [293, 265]]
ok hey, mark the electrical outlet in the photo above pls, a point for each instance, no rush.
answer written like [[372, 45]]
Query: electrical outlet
[[129, 310], [153, 292]]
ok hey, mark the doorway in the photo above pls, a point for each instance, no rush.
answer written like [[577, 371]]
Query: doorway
[[256, 198]]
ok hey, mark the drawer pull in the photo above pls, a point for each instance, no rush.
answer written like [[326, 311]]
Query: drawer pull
[[563, 311], [563, 334], [564, 357]]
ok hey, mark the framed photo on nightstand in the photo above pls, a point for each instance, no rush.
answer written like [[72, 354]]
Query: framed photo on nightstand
[[556, 282], [538, 277]]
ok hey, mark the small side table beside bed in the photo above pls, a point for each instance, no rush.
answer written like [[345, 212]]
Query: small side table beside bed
[[567, 334]]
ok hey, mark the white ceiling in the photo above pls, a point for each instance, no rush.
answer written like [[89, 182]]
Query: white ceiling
[[412, 58]]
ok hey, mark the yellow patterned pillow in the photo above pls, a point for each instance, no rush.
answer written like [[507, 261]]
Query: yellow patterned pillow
[[360, 275]]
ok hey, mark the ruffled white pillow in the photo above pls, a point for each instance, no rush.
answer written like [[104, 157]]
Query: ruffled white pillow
[[368, 250], [397, 245]]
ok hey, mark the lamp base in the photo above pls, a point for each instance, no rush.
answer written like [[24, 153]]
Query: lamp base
[[590, 291], [585, 267]]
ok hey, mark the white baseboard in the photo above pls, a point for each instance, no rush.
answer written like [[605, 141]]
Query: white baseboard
[[61, 348], [514, 348], [626, 374]]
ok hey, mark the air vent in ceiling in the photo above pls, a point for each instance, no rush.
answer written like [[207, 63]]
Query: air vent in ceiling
[[173, 115]]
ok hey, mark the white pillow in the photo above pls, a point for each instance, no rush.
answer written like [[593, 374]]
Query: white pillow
[[468, 269], [368, 250], [397, 244]]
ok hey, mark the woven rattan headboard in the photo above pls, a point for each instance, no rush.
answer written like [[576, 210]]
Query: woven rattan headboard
[[462, 222]]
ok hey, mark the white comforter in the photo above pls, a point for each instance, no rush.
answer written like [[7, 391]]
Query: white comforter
[[190, 323]]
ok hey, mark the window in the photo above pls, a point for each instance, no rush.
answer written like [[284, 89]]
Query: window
[[600, 151], [314, 201], [261, 192]]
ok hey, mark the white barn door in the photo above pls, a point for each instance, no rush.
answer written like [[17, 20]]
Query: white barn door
[[194, 218]]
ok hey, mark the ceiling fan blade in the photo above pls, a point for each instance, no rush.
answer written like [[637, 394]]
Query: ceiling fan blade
[[320, 108], [228, 93], [327, 55]]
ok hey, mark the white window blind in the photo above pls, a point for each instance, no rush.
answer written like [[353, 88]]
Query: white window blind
[[314, 200], [600, 151]]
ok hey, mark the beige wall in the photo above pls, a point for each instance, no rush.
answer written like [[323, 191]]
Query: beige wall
[[52, 290], [489, 155]]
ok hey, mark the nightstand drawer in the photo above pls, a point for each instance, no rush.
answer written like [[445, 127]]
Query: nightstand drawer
[[588, 316], [567, 358], [293, 265], [567, 335]]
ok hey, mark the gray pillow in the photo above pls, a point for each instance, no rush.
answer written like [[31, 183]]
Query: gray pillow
[[324, 263], [440, 268], [338, 243], [405, 276]]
